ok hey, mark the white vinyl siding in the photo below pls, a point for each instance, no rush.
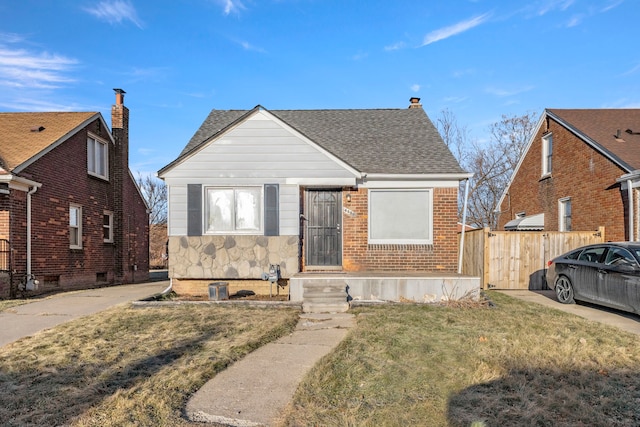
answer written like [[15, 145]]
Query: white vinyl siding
[[259, 151], [400, 216]]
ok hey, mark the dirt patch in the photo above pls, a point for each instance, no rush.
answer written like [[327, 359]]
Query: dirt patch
[[232, 297]]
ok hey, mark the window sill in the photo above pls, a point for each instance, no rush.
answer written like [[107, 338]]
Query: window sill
[[419, 247], [99, 177]]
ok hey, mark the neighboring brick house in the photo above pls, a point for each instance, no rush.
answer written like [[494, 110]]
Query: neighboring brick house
[[579, 171], [70, 210], [368, 190]]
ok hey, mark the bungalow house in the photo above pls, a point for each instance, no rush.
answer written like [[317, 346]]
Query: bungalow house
[[71, 215], [580, 171], [360, 198]]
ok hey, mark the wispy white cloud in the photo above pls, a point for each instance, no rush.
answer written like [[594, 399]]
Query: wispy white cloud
[[415, 88], [575, 21], [452, 30], [395, 46], [29, 103], [612, 4], [455, 99], [633, 70], [115, 12], [547, 6], [231, 6], [359, 56], [20, 68], [248, 46], [501, 92]]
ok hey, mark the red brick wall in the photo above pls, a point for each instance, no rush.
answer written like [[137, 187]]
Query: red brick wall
[[359, 255], [578, 172], [64, 178]]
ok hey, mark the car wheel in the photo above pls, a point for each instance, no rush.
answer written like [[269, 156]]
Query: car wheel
[[564, 290]]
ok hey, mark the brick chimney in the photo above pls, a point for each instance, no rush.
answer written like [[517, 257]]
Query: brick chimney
[[414, 103], [119, 170]]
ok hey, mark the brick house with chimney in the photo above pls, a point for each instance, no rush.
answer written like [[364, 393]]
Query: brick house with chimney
[[580, 171], [368, 193], [71, 214]]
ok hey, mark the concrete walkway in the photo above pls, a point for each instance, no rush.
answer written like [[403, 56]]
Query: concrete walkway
[[39, 314], [626, 321], [255, 390]]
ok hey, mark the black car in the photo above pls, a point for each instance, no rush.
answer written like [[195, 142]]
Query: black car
[[606, 274]]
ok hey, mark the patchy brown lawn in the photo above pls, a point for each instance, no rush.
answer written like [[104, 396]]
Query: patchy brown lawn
[[128, 366]]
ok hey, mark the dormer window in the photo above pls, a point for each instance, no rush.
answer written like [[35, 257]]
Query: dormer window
[[97, 157], [547, 154]]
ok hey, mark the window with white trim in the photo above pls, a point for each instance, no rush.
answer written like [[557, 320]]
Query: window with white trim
[[564, 214], [107, 227], [75, 227], [547, 154], [97, 157], [401, 216], [233, 210]]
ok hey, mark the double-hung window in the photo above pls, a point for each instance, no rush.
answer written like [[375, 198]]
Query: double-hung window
[[97, 157], [107, 227], [400, 216], [75, 227], [547, 154], [233, 210], [564, 214]]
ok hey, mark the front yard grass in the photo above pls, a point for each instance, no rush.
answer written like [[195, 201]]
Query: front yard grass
[[128, 366], [516, 364], [512, 364]]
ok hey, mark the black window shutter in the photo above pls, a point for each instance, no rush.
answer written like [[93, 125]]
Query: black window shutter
[[271, 214], [194, 209]]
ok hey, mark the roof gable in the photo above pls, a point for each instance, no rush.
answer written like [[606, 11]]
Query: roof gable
[[378, 141], [25, 137], [601, 126], [598, 128], [259, 145]]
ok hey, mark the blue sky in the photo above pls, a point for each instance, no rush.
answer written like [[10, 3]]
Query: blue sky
[[178, 59]]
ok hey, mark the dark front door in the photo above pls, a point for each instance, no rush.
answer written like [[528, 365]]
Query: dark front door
[[323, 234]]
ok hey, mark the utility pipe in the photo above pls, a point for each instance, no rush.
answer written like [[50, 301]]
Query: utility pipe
[[29, 193], [631, 219], [464, 225]]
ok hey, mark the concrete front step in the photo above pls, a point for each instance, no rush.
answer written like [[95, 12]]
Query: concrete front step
[[331, 307], [325, 296]]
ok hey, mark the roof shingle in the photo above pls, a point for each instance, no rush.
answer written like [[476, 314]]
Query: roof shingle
[[18, 143], [385, 141]]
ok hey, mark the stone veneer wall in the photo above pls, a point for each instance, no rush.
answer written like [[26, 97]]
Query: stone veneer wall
[[231, 257]]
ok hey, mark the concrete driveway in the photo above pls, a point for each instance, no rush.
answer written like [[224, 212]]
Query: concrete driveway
[[626, 321], [39, 314]]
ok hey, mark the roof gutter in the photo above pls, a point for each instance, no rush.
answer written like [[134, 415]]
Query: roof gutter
[[417, 177]]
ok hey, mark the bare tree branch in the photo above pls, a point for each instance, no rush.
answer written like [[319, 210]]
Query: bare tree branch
[[492, 163], [154, 192]]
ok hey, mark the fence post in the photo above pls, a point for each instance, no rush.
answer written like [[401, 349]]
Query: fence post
[[486, 257]]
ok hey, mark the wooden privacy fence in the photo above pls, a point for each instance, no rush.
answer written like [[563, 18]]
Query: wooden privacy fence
[[518, 259]]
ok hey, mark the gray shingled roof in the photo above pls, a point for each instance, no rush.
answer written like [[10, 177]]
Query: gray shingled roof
[[386, 141]]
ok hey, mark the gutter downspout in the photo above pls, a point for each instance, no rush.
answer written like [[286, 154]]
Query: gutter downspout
[[631, 219], [464, 225], [29, 193]]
